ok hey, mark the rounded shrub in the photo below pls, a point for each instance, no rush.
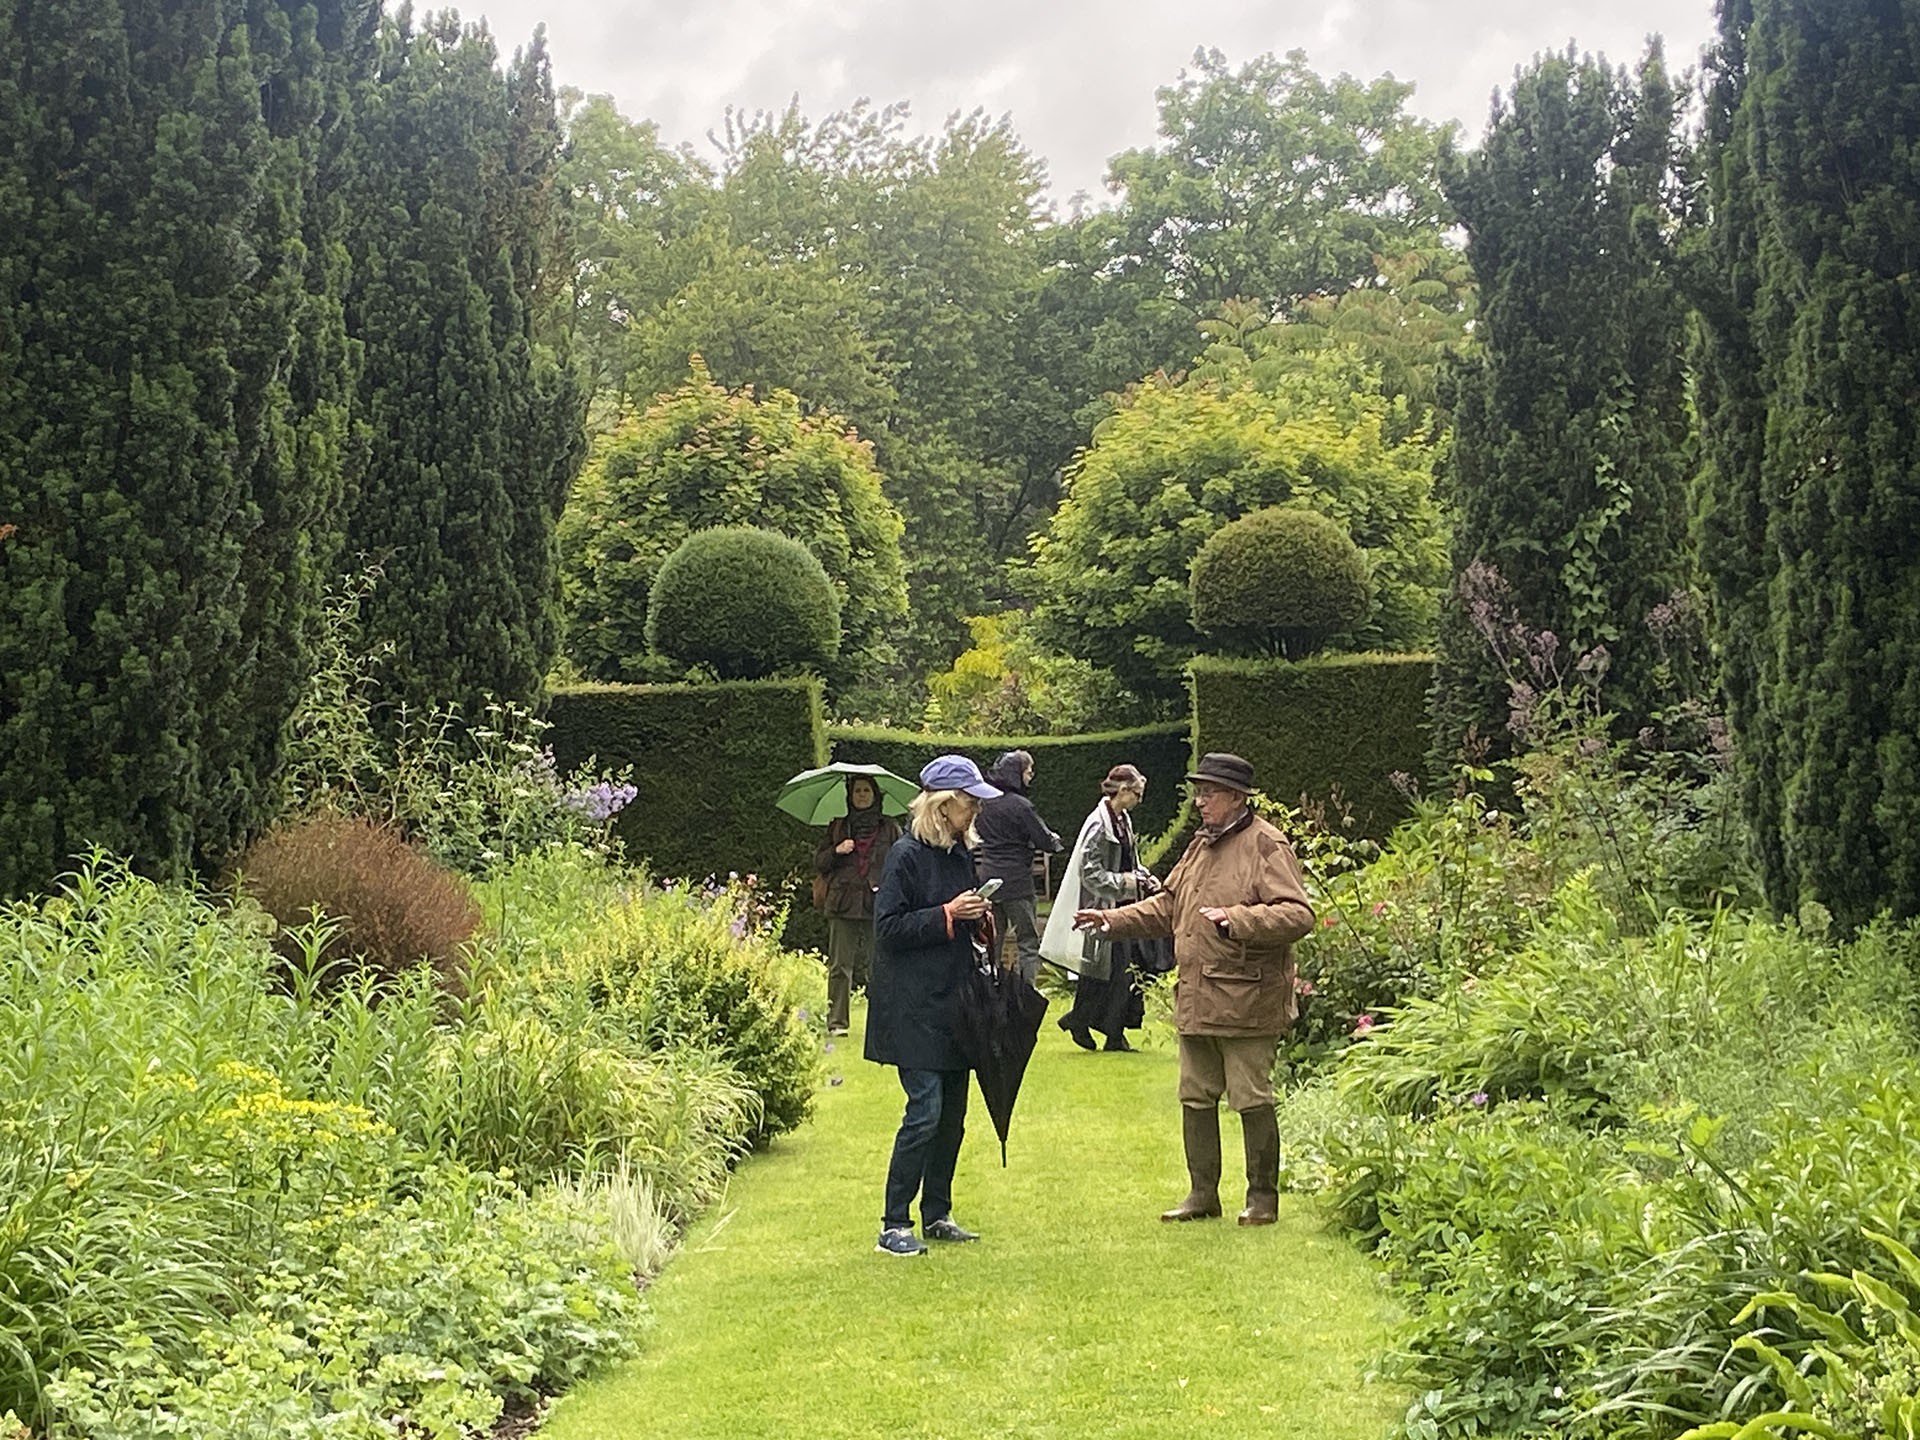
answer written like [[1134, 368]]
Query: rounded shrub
[[746, 602], [676, 970], [1279, 581], [391, 907]]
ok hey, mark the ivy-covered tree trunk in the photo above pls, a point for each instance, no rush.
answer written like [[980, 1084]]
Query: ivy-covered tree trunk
[[1572, 431], [1810, 525], [475, 425], [172, 379]]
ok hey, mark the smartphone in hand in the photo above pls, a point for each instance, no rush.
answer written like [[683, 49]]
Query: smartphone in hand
[[987, 887]]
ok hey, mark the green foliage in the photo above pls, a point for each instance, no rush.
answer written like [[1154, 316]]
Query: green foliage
[[1804, 283], [1867, 1346], [765, 269], [1008, 683], [746, 603], [705, 457], [238, 1205], [1592, 1132], [1067, 771], [1279, 581], [473, 421], [1452, 890], [367, 1337], [677, 969], [1275, 184], [171, 274], [1336, 730], [1572, 427], [1175, 464], [707, 761], [475, 792]]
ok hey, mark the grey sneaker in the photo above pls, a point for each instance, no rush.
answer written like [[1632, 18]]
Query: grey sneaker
[[945, 1229], [899, 1242]]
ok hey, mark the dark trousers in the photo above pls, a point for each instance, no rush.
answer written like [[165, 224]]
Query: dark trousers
[[1017, 918], [927, 1147]]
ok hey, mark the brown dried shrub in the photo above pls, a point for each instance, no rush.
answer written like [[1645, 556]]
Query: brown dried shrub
[[395, 908]]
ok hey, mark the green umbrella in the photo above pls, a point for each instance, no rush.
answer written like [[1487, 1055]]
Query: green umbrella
[[817, 796]]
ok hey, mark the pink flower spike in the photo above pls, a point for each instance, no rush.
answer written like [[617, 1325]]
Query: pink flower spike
[[1363, 1025], [1379, 907], [1327, 922]]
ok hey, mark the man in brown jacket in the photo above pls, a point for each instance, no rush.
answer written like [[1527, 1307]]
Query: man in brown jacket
[[1234, 905]]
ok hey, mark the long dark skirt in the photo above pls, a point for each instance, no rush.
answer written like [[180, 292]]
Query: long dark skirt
[[1113, 1004]]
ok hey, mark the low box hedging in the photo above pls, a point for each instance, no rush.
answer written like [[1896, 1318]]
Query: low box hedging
[[1067, 770], [707, 762], [1345, 721]]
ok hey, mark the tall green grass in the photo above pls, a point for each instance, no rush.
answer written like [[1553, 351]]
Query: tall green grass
[[206, 1153]]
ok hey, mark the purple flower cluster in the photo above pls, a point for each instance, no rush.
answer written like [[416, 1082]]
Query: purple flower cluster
[[601, 802]]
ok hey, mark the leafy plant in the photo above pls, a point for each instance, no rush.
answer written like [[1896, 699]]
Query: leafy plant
[[675, 968], [476, 791], [392, 908], [1281, 580], [747, 603]]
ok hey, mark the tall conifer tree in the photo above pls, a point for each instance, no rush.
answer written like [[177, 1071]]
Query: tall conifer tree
[[475, 425], [1810, 407], [172, 413], [1571, 421]]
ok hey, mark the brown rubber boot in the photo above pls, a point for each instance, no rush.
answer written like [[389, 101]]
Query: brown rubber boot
[[1200, 1129], [1261, 1133]]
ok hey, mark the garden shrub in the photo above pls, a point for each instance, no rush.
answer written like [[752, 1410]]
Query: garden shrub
[[1343, 731], [430, 1318], [746, 603], [676, 968], [390, 905], [1453, 892], [707, 456], [518, 1091], [706, 762], [475, 790], [258, 1223], [1281, 581]]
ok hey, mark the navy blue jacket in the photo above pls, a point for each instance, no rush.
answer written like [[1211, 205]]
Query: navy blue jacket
[[913, 995]]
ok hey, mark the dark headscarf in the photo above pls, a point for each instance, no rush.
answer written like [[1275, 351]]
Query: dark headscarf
[[862, 823], [1010, 771]]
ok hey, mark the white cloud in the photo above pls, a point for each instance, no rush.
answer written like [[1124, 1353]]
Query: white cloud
[[1078, 76]]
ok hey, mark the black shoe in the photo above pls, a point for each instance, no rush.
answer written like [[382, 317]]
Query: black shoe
[[1082, 1036], [945, 1229], [1116, 1042]]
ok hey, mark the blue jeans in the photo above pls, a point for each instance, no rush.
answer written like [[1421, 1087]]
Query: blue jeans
[[927, 1147]]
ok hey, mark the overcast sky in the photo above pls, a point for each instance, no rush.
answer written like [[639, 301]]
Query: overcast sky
[[1078, 76]]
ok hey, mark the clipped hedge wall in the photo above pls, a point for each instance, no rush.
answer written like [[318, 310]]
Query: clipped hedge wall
[[707, 761], [1067, 770], [1345, 721]]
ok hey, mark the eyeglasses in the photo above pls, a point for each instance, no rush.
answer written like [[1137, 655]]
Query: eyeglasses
[[1209, 792]]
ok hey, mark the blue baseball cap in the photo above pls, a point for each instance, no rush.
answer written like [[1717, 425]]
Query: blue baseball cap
[[956, 772]]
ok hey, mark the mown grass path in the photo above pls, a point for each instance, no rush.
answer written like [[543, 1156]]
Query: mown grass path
[[1078, 1314]]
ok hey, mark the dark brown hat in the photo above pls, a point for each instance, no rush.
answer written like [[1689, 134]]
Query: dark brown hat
[[1222, 769]]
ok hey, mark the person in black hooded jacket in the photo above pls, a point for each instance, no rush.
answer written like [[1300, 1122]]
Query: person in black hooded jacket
[[1011, 833]]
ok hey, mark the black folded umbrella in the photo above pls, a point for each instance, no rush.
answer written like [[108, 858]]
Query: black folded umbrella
[[1000, 1015]]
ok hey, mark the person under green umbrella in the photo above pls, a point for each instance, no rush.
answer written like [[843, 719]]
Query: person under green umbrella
[[851, 860]]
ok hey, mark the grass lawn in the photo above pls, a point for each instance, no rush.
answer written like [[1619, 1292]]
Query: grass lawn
[[1077, 1314]]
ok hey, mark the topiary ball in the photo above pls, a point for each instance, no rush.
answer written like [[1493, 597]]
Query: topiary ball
[[748, 603], [1279, 581]]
